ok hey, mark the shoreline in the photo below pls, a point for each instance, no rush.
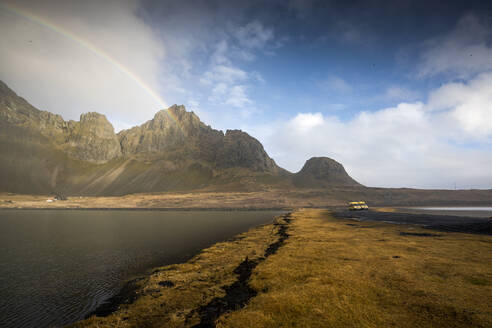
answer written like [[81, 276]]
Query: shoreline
[[436, 221], [249, 200], [129, 291], [380, 209], [164, 209], [266, 240], [374, 264]]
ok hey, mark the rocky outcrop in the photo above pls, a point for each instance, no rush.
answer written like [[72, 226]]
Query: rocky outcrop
[[16, 110], [179, 131], [323, 172], [170, 129], [92, 139], [239, 149]]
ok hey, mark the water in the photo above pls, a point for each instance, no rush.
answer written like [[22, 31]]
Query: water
[[471, 211], [58, 265], [488, 209]]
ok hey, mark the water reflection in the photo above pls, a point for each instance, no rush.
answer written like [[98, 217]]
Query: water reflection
[[56, 266]]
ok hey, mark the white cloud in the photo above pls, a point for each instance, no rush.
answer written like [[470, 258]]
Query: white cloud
[[229, 84], [465, 51], [425, 145], [399, 93], [335, 84], [237, 97], [253, 35], [76, 62], [468, 104], [220, 54], [225, 74], [306, 121]]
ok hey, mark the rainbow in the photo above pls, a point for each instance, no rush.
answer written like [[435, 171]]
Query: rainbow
[[23, 13]]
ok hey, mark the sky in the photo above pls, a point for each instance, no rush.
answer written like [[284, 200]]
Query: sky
[[399, 92]]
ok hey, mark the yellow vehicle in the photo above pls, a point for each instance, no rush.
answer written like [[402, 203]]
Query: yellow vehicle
[[357, 206], [363, 206]]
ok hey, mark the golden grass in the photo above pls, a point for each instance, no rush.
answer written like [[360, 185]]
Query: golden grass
[[196, 282], [341, 273], [329, 273], [384, 209]]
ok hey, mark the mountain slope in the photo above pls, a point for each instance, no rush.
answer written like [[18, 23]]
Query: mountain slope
[[42, 153], [323, 172]]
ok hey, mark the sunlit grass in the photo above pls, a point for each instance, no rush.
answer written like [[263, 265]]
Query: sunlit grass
[[329, 273], [196, 282], [336, 273]]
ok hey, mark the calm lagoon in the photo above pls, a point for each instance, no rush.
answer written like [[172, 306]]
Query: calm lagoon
[[58, 265]]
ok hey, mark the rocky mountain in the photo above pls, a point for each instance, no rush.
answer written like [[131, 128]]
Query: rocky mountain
[[323, 172], [41, 152], [169, 130], [90, 139]]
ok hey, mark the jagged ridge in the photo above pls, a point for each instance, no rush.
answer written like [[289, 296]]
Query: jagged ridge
[[172, 151]]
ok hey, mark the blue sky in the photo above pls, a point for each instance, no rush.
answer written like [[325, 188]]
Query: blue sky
[[400, 92]]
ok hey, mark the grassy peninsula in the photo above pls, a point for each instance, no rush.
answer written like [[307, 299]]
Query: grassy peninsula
[[309, 269]]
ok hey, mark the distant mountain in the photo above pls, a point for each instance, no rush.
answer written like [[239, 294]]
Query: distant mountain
[[323, 172], [42, 153]]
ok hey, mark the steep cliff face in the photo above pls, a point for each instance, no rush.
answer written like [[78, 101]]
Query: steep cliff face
[[92, 139], [170, 130], [179, 131], [16, 110], [322, 172], [239, 149]]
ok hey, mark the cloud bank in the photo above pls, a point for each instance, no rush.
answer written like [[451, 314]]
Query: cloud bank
[[437, 142], [410, 145]]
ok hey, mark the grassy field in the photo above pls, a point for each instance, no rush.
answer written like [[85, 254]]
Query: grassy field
[[328, 273], [172, 295]]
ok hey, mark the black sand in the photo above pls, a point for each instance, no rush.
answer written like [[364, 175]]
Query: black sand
[[450, 223]]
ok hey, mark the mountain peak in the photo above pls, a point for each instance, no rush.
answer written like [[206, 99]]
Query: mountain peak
[[97, 125], [170, 128], [172, 151], [165, 118], [323, 172], [242, 150]]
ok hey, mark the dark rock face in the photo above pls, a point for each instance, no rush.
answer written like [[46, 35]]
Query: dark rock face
[[170, 129], [323, 172], [241, 150], [176, 130], [92, 139], [16, 110]]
